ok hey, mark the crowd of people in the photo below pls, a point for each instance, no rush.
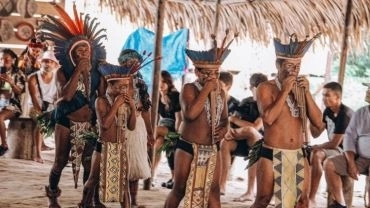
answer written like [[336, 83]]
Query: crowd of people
[[71, 83]]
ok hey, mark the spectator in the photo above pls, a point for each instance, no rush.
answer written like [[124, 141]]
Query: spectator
[[238, 140], [336, 117], [12, 84], [356, 157]]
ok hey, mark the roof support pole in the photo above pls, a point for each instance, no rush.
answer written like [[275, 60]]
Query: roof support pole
[[156, 76], [343, 55]]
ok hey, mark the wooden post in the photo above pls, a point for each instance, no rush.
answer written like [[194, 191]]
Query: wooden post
[[343, 56], [156, 76]]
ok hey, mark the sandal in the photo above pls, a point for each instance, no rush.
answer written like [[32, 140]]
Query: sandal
[[3, 150]]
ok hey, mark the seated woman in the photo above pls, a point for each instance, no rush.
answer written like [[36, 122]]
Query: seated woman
[[170, 118], [12, 82]]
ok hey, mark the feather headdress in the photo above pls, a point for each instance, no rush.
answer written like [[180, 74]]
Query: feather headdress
[[142, 59], [293, 50], [114, 72], [66, 33], [213, 58]]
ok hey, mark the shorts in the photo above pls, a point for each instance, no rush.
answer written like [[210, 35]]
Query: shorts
[[242, 148], [340, 163]]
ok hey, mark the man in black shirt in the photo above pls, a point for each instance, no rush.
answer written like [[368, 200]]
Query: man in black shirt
[[246, 130]]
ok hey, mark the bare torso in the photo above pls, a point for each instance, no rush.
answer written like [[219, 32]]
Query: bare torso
[[109, 134], [286, 131], [199, 130]]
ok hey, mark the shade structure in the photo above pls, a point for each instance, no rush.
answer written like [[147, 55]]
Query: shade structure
[[258, 20]]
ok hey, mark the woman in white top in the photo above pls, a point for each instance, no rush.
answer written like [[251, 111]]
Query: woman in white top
[[43, 91]]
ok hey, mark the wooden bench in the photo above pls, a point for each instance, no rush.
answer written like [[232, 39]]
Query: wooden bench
[[20, 138]]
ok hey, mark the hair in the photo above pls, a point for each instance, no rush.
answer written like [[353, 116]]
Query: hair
[[256, 79], [167, 78], [127, 54], [334, 86], [226, 77], [11, 53], [279, 61]]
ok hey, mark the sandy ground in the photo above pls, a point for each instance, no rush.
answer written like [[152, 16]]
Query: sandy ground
[[23, 181]]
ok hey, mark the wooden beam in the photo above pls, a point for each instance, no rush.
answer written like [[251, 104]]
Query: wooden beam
[[156, 76], [343, 56], [43, 7]]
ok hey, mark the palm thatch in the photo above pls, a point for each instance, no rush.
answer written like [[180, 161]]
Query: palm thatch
[[258, 20]]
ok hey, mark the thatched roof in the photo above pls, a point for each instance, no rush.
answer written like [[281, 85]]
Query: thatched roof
[[254, 19]]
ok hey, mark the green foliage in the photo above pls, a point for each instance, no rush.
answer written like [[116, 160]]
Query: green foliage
[[357, 65], [90, 136], [254, 153], [169, 142], [46, 124]]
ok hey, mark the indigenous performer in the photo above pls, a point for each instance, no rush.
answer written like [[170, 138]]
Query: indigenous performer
[[29, 58], [12, 83], [285, 104], [79, 51], [43, 92], [203, 104], [142, 136]]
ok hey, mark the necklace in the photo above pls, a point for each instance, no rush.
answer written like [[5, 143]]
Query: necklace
[[293, 106], [219, 106]]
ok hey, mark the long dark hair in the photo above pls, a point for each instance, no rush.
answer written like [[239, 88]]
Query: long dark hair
[[167, 78], [13, 55]]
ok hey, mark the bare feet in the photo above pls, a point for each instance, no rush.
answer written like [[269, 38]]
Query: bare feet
[[245, 197], [312, 204], [38, 159], [222, 191]]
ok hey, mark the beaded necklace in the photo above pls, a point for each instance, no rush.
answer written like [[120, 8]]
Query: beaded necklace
[[293, 106], [219, 106]]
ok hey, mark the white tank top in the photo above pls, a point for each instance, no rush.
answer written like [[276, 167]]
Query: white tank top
[[48, 91]]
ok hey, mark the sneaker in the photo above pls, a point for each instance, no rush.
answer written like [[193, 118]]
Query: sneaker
[[169, 185], [3, 150], [336, 205], [165, 184]]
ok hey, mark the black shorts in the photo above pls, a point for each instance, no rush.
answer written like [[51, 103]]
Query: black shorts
[[242, 148]]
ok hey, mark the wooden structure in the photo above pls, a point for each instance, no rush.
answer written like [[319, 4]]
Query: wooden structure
[[25, 25], [20, 138]]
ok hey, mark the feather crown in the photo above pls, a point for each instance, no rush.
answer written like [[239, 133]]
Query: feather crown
[[293, 50], [142, 60], [213, 58], [114, 72], [66, 33]]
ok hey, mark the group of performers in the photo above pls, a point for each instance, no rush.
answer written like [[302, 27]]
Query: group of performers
[[113, 102]]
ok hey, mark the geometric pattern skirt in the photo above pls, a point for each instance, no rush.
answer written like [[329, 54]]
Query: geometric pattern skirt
[[113, 173], [201, 175], [288, 166]]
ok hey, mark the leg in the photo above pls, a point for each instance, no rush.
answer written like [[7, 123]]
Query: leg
[[227, 147], [334, 181], [134, 186], [318, 156], [4, 115], [62, 148], [214, 195], [181, 173], [249, 194], [265, 183], [37, 145], [92, 182], [161, 133]]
